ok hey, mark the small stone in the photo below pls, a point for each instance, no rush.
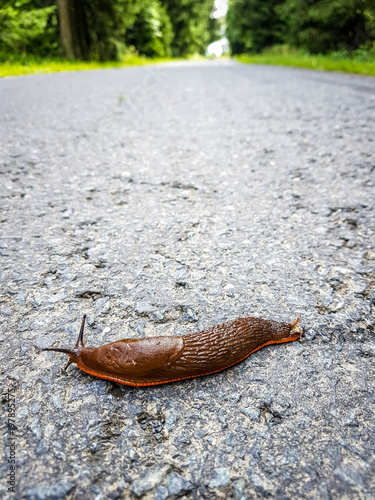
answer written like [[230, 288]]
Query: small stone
[[161, 493], [50, 492], [21, 298], [41, 448], [182, 439], [134, 410], [229, 286], [144, 308], [170, 421], [252, 413], [256, 450], [72, 329], [351, 420], [157, 315], [177, 485], [45, 341], [55, 399], [262, 485], [200, 433], [137, 326], [58, 297], [6, 311], [94, 252], [102, 306], [188, 315], [149, 480], [321, 230], [133, 455], [239, 487], [349, 476], [125, 306], [220, 478], [66, 214]]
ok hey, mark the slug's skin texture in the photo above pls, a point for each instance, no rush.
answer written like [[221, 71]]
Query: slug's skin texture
[[159, 360]]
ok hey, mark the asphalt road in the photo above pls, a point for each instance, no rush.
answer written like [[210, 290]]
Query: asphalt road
[[166, 199]]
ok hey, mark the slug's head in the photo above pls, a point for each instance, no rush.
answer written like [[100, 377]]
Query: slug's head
[[74, 354]]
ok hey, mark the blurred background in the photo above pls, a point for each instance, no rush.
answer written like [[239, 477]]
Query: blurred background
[[109, 30]]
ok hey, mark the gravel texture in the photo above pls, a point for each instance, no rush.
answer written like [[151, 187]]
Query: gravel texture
[[166, 199]]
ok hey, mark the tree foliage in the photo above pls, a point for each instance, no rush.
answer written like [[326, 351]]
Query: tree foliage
[[29, 26], [319, 26], [95, 29], [326, 25], [252, 25], [191, 25], [151, 33], [103, 29]]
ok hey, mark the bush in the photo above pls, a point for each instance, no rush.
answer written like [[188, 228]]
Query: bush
[[29, 31]]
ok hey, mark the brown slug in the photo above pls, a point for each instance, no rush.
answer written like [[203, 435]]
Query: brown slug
[[158, 360]]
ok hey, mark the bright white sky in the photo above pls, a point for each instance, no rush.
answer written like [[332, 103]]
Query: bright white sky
[[221, 7]]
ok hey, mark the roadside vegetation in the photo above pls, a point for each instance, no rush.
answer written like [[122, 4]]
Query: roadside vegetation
[[337, 35], [42, 36], [16, 64], [61, 35], [360, 61]]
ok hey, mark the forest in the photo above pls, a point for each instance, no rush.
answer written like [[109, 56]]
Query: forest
[[106, 30], [320, 27]]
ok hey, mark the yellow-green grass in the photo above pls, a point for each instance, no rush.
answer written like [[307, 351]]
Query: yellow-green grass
[[28, 65], [318, 62]]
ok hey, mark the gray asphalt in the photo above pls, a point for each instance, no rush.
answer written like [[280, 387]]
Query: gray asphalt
[[166, 199]]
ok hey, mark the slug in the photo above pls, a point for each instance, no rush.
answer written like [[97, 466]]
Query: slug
[[159, 360]]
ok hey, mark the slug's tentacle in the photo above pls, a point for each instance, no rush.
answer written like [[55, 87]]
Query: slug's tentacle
[[80, 335], [73, 353]]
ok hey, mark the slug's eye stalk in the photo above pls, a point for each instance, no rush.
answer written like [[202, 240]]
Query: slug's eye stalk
[[72, 353], [80, 336]]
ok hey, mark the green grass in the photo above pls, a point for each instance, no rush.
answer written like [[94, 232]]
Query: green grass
[[334, 62], [16, 64], [362, 62]]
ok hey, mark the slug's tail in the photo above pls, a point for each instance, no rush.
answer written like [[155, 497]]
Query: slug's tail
[[296, 328], [73, 353]]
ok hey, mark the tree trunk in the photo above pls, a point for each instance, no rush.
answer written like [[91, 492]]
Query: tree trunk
[[66, 28]]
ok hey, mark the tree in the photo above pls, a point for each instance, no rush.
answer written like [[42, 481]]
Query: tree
[[326, 25], [190, 21], [101, 29], [216, 28], [151, 33], [95, 29], [252, 25], [66, 29]]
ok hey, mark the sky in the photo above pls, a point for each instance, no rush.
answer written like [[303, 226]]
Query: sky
[[221, 8]]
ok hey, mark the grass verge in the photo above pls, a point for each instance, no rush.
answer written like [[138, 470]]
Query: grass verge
[[13, 65], [333, 62]]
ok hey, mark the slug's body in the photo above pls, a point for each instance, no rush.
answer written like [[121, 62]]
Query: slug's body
[[158, 360]]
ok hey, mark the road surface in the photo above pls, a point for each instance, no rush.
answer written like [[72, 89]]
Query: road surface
[[166, 199]]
